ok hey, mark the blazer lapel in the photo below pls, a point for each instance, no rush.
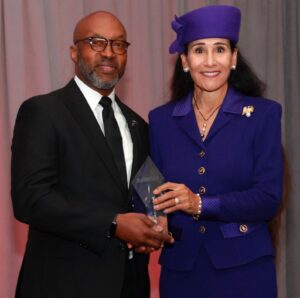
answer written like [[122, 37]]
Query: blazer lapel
[[233, 105], [80, 110], [184, 116], [186, 120]]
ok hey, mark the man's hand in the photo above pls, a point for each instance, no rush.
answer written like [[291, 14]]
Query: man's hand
[[140, 231]]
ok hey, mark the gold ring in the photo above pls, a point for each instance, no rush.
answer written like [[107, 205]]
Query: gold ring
[[177, 201]]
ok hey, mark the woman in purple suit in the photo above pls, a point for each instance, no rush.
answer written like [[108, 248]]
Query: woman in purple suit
[[218, 143]]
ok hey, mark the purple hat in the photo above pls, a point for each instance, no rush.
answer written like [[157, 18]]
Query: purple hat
[[216, 21]]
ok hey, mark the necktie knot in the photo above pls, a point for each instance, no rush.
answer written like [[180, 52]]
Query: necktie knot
[[105, 102]]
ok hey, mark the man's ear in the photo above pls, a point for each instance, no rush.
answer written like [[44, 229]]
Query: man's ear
[[74, 53]]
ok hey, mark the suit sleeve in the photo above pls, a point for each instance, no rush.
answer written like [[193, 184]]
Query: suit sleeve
[[261, 200], [37, 198]]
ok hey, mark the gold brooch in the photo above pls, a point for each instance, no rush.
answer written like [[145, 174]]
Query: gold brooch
[[248, 110]]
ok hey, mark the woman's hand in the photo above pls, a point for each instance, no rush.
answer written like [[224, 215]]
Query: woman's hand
[[175, 197]]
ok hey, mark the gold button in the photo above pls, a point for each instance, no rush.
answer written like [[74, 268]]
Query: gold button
[[202, 153], [243, 228], [202, 229], [201, 170], [202, 190]]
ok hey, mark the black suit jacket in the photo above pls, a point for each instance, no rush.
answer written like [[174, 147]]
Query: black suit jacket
[[66, 186]]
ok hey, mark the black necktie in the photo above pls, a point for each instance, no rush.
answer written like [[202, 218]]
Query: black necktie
[[113, 136]]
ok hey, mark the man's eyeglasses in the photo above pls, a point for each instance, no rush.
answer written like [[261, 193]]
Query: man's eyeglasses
[[99, 44]]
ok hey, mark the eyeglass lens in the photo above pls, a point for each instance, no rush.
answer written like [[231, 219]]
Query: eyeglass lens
[[99, 44]]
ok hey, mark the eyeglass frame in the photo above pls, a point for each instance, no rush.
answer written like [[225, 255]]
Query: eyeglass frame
[[90, 39]]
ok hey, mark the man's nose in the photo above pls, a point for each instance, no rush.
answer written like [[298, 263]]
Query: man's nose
[[108, 51]]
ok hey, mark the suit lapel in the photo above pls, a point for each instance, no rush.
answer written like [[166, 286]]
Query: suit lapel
[[138, 151], [80, 110], [133, 128]]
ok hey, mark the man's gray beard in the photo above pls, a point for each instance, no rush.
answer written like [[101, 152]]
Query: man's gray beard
[[91, 76]]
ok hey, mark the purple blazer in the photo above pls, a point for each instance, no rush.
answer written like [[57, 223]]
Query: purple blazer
[[238, 171]]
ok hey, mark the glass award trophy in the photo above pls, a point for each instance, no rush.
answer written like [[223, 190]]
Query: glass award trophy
[[146, 180]]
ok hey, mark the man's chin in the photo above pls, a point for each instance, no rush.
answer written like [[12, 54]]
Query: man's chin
[[105, 84]]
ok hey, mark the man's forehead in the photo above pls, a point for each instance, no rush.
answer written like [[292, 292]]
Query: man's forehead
[[100, 24]]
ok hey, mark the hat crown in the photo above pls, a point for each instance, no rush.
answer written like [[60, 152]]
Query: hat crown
[[215, 21]]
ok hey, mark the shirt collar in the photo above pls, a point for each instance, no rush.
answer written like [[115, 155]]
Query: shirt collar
[[233, 103], [92, 97]]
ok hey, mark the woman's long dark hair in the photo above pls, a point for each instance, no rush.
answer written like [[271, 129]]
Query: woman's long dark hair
[[242, 78]]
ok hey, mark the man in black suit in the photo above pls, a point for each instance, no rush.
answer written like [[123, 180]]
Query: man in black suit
[[72, 162]]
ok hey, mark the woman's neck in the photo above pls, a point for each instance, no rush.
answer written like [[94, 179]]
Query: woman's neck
[[209, 100]]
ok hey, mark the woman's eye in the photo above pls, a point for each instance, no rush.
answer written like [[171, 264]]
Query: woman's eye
[[220, 49], [198, 50]]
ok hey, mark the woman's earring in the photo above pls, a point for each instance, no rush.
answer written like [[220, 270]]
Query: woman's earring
[[233, 67], [185, 69]]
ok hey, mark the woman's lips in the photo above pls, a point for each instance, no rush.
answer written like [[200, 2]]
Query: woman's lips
[[210, 73]]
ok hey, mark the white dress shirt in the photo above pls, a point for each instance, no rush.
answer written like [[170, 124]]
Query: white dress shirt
[[93, 98]]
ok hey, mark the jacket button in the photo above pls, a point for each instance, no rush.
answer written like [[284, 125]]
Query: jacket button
[[202, 153], [201, 170], [202, 229], [202, 190], [243, 228]]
